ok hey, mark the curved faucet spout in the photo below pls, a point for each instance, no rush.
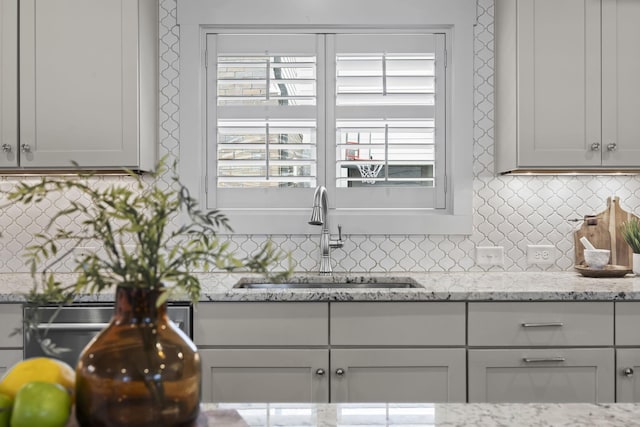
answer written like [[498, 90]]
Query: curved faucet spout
[[319, 212]]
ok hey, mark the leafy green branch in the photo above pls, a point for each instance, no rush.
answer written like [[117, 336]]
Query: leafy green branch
[[139, 244]]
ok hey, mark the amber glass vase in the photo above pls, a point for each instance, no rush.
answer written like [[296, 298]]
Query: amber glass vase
[[141, 370]]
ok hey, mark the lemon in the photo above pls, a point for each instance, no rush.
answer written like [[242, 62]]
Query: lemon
[[43, 369]]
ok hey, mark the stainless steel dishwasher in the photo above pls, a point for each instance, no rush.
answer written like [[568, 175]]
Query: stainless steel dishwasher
[[75, 325]]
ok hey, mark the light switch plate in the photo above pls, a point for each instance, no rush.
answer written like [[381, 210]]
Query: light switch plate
[[541, 254], [490, 255]]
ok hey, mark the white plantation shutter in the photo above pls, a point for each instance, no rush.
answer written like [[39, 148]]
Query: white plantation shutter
[[376, 110], [389, 120], [263, 119]]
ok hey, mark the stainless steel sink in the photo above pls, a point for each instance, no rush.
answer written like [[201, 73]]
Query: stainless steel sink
[[330, 285]]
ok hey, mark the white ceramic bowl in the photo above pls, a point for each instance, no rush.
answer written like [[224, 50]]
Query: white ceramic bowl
[[596, 258]]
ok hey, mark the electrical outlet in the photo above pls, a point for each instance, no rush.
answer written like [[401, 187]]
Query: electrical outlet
[[541, 254], [489, 255]]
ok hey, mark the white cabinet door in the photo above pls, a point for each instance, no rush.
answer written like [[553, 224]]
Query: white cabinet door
[[82, 82], [628, 375], [541, 375], [558, 83], [270, 375], [398, 375], [8, 82], [620, 83]]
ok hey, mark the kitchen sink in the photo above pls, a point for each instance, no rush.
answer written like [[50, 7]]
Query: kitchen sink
[[395, 284]]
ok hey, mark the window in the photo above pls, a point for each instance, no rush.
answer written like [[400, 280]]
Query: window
[[370, 104]]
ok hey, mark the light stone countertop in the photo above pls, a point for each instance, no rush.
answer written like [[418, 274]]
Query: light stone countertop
[[422, 415], [437, 286]]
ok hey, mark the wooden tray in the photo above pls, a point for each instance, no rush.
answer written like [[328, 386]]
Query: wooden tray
[[603, 231], [608, 271]]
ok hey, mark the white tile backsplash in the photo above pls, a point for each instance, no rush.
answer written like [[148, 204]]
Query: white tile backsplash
[[509, 211]]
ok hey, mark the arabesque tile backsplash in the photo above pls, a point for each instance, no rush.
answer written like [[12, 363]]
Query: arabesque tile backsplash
[[509, 211]]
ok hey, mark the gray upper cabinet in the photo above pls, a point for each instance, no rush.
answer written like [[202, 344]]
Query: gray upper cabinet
[[567, 95], [87, 83], [8, 78]]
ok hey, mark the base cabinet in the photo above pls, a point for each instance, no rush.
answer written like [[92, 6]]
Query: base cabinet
[[398, 375], [541, 375], [8, 358], [628, 375], [11, 347], [255, 375]]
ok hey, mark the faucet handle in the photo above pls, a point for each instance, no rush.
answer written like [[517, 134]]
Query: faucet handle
[[337, 243]]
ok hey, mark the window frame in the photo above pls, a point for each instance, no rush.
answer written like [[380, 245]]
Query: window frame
[[197, 18]]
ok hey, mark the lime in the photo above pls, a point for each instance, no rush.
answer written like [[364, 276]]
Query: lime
[[41, 404], [5, 409]]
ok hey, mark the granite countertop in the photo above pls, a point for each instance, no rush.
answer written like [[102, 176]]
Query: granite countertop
[[421, 415], [436, 286]]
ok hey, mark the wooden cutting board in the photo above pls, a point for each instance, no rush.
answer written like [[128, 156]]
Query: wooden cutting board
[[603, 231]]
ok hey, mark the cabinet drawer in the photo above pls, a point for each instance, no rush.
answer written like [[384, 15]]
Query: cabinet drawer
[[261, 324], [540, 324], [558, 375], [627, 321], [397, 323]]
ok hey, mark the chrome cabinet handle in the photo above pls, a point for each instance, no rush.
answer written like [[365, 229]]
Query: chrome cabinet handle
[[340, 372], [6, 148], [542, 359], [612, 146], [73, 326], [627, 372], [26, 148], [320, 372], [543, 325], [595, 146]]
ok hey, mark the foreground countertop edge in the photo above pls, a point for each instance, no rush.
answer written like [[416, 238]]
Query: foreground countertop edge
[[445, 414], [436, 286]]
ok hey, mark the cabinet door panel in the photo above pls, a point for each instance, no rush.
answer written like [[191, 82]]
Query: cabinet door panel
[[620, 83], [559, 82], [78, 83], [8, 82], [628, 375], [398, 375], [248, 375], [577, 375]]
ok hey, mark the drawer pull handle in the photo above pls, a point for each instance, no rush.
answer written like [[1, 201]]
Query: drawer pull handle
[[340, 372], [542, 359], [320, 372], [543, 325], [628, 372]]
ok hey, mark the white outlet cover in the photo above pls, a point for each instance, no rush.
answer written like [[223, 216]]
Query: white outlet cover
[[541, 254], [490, 255]]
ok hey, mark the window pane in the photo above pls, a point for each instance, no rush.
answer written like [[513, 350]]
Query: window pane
[[242, 153], [243, 80], [385, 79], [385, 153]]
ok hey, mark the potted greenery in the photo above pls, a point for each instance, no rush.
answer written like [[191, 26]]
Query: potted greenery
[[631, 233], [141, 367]]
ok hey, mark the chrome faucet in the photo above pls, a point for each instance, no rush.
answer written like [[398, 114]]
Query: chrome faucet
[[320, 216]]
